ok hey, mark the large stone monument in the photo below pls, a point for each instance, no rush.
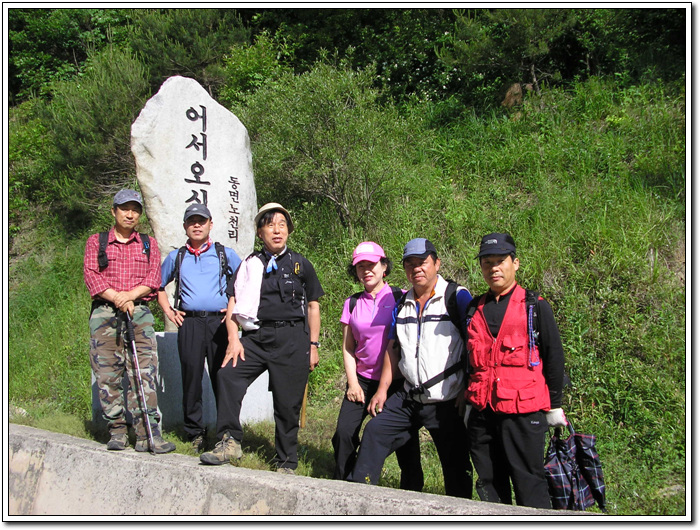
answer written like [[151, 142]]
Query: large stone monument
[[190, 149]]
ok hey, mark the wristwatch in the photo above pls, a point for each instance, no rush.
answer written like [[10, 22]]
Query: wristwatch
[[315, 343]]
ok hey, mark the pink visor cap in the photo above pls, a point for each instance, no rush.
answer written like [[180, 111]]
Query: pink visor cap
[[367, 251]]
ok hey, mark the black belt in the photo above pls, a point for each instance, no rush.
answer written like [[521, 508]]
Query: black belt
[[279, 323], [203, 313], [98, 303]]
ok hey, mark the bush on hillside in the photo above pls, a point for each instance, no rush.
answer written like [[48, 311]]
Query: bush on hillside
[[90, 126], [322, 137]]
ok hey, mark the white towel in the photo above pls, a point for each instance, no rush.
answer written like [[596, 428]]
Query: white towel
[[247, 292]]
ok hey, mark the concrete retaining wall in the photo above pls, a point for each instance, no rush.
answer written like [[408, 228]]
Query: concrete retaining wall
[[56, 474]]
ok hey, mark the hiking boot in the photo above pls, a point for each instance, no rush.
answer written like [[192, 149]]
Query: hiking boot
[[160, 446], [286, 471], [118, 442], [198, 443], [223, 452]]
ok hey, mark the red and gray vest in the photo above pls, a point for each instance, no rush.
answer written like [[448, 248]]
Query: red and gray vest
[[505, 372]]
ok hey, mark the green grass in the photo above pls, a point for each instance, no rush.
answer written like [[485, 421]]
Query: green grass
[[590, 182]]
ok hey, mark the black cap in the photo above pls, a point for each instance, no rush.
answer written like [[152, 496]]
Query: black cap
[[496, 244], [197, 209]]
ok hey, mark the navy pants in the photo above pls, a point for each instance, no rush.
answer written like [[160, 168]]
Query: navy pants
[[284, 353], [199, 340], [391, 428], [509, 448], [346, 439]]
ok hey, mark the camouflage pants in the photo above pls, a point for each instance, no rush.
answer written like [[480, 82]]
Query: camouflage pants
[[111, 355]]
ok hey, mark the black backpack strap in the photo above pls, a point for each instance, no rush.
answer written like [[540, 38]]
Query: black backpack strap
[[453, 312], [224, 268], [146, 242], [451, 304], [420, 389], [176, 274], [399, 306], [402, 300], [102, 260], [533, 334], [396, 292], [471, 310], [353, 301], [298, 269]]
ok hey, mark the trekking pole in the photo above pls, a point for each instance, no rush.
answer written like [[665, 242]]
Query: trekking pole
[[130, 337]]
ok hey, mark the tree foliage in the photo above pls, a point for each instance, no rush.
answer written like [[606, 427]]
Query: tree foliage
[[635, 43], [435, 63], [322, 135], [247, 68], [90, 124], [494, 48], [50, 45], [399, 43], [187, 42], [508, 45]]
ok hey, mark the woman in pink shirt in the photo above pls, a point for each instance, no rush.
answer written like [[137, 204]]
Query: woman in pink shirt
[[366, 320]]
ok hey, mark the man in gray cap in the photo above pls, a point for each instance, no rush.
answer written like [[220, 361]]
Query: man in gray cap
[[122, 274], [426, 346], [201, 270], [515, 383]]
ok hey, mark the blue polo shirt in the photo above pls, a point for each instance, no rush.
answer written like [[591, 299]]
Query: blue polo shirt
[[201, 287]]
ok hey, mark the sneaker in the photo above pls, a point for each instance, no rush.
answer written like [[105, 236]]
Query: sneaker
[[118, 442], [286, 471], [160, 445], [198, 443], [223, 452]]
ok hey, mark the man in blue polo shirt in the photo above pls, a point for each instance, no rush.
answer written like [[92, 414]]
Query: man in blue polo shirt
[[200, 307]]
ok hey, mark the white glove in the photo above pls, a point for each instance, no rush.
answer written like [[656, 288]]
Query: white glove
[[556, 418], [248, 324]]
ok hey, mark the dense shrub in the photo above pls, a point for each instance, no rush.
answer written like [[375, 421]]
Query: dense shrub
[[90, 126], [323, 137]]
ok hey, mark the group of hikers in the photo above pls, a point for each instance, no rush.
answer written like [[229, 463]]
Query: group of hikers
[[483, 375]]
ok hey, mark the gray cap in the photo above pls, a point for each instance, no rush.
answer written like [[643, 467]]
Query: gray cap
[[419, 247], [197, 209], [124, 196]]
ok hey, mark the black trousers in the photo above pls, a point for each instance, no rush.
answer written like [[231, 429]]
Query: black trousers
[[284, 353], [391, 428], [509, 448], [199, 339], [346, 439]]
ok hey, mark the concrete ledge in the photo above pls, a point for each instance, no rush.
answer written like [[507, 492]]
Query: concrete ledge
[[57, 474]]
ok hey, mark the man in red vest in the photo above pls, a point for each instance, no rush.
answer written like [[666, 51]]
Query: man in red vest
[[516, 373]]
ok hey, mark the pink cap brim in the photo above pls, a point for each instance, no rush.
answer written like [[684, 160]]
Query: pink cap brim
[[374, 258]]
